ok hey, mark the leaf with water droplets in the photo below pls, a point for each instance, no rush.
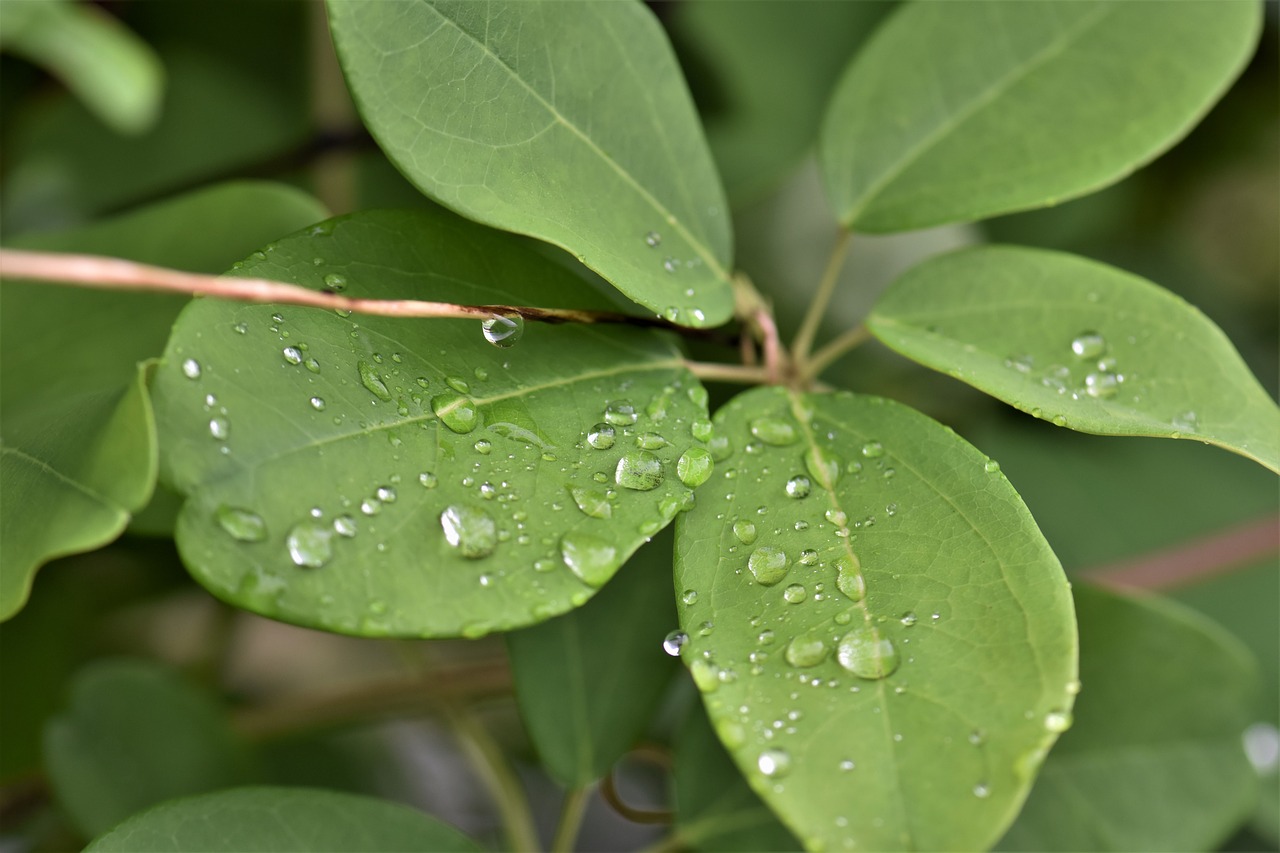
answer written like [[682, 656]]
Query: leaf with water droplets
[[281, 820], [1081, 344], [79, 453], [574, 126], [1165, 696], [447, 486], [1070, 97], [888, 641], [587, 682]]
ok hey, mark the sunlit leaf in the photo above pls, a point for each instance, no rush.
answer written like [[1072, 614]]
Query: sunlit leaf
[[883, 639]]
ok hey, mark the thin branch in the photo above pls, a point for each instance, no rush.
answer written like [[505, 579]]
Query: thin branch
[[823, 358], [609, 791], [772, 345], [571, 814], [497, 776], [818, 307], [739, 373]]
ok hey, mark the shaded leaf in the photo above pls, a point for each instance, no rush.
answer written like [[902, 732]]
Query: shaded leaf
[[280, 820], [404, 477], [136, 735], [892, 637], [1080, 343], [960, 111], [588, 681], [567, 122], [79, 453], [1154, 759]]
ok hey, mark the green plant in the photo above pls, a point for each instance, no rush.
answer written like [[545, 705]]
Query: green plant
[[422, 423]]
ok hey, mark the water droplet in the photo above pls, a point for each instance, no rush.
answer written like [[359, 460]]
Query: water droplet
[[775, 431], [386, 494], [689, 597], [191, 368], [428, 480], [774, 763], [745, 531], [653, 239], [977, 737], [242, 524], [806, 650], [344, 525], [838, 517], [219, 428], [849, 579], [706, 675], [592, 502], [292, 355], [456, 412], [650, 441], [1057, 721], [1187, 421], [370, 379], [503, 330], [795, 593], [639, 470], [318, 403], [335, 282], [620, 413], [310, 545], [908, 619], [241, 328], [992, 466], [694, 467], [589, 557], [674, 642], [469, 529], [670, 264], [981, 791], [867, 653], [824, 466], [371, 506], [799, 486], [769, 564], [720, 446], [484, 447], [808, 557], [458, 384], [601, 436], [873, 450], [1101, 384], [1088, 345]]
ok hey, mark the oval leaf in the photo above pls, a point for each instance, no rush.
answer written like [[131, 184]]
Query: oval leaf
[[281, 820], [567, 122], [1142, 725], [1079, 343], [404, 477], [882, 635], [136, 735], [960, 111]]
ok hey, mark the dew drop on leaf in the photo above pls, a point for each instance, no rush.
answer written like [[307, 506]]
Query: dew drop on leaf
[[503, 330], [470, 530], [799, 486], [745, 531], [806, 650], [589, 557], [775, 431], [774, 763], [702, 429], [370, 379], [873, 450], [694, 467], [1101, 384], [650, 441], [795, 593], [867, 653], [849, 579], [1057, 721], [335, 282], [1088, 345], [292, 355], [620, 413], [310, 545], [601, 436], [455, 411], [674, 642], [219, 428], [653, 239], [345, 526], [191, 368], [592, 502], [318, 403], [824, 466], [242, 524], [640, 470], [428, 480], [768, 564]]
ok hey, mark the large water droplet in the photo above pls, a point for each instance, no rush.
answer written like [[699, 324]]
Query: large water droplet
[[620, 413], [241, 524], [768, 564], [745, 531], [849, 579], [503, 330], [639, 470], [370, 379], [806, 650], [592, 502], [456, 412], [774, 763], [674, 642], [867, 653], [1088, 345], [775, 431], [589, 557], [310, 544], [191, 368], [469, 529], [694, 467], [799, 486], [824, 465]]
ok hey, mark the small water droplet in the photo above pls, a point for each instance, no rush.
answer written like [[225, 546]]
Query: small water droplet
[[601, 436], [1057, 721], [318, 403], [345, 526], [589, 557], [503, 330], [428, 480], [483, 446], [867, 653], [292, 355], [456, 412], [335, 282], [689, 597], [908, 619], [720, 446], [241, 328], [768, 564], [992, 466], [650, 441], [310, 545], [981, 791], [370, 379], [670, 264], [191, 368], [219, 428], [1101, 384], [639, 470], [653, 239], [620, 413], [745, 531], [824, 465], [795, 593], [806, 650], [469, 529], [371, 506], [694, 467], [1088, 345], [838, 517], [386, 494], [774, 763], [242, 524], [808, 557], [775, 431], [592, 502], [873, 450], [674, 642], [799, 486]]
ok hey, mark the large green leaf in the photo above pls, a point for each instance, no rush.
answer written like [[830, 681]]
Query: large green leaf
[[767, 70], [1079, 343], [78, 452], [281, 820], [134, 736], [588, 681], [1154, 760], [959, 111], [885, 642], [403, 477], [569, 122]]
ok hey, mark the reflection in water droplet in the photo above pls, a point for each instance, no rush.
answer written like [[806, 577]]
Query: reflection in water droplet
[[191, 368], [620, 413], [674, 642], [503, 330], [456, 412], [799, 486], [292, 355], [745, 531], [318, 403], [775, 431], [592, 502], [219, 428], [589, 557], [867, 653], [310, 544], [768, 564], [806, 650], [650, 441], [639, 470], [774, 763], [472, 531], [601, 436], [694, 467], [370, 379], [795, 593], [428, 480], [1088, 345], [242, 524], [344, 525], [1101, 384]]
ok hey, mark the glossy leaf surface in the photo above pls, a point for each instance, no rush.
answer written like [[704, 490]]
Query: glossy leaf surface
[[281, 820], [405, 477], [960, 111], [1154, 759], [79, 452], [134, 736], [1079, 343], [588, 681], [890, 635], [568, 122]]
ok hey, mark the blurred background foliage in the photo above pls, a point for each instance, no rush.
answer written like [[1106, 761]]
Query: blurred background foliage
[[251, 89]]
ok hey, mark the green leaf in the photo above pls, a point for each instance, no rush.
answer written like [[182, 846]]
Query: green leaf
[[1153, 761], [771, 67], [136, 735], [1079, 343], [715, 807], [567, 122], [281, 820], [110, 69], [404, 476], [588, 681], [79, 453], [960, 111], [890, 639]]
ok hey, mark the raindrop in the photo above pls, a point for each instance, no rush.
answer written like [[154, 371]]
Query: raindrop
[[484, 447], [472, 531], [1101, 384], [689, 597], [1057, 721], [620, 413], [702, 429], [981, 791], [774, 763], [674, 642], [241, 328], [806, 650], [370, 379], [1088, 345], [318, 403], [219, 428], [242, 524], [653, 239], [720, 446], [456, 412], [386, 494], [706, 675], [191, 368], [592, 502], [344, 525], [908, 619], [799, 486], [873, 450], [694, 467], [292, 355], [335, 282], [310, 545], [795, 593], [808, 557], [503, 330], [428, 480], [745, 531], [768, 564], [458, 384], [589, 557], [849, 579], [601, 436], [775, 431], [670, 264], [838, 517], [312, 365], [867, 653], [650, 441], [992, 466], [371, 506], [639, 470], [824, 466]]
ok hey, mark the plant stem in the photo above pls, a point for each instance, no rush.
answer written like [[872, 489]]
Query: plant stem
[[669, 844], [818, 307], [823, 358], [491, 765], [740, 373], [571, 814]]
